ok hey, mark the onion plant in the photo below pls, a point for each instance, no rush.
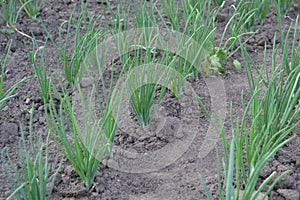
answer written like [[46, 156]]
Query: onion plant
[[289, 61], [282, 95], [198, 24], [284, 5], [199, 20], [142, 89], [267, 125], [172, 12], [120, 17], [80, 135], [8, 94], [40, 70], [260, 8], [83, 43], [218, 2], [10, 11], [142, 101], [260, 143], [144, 15], [31, 7], [31, 177]]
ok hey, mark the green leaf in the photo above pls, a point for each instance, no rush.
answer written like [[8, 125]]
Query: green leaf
[[237, 64], [215, 61], [222, 55]]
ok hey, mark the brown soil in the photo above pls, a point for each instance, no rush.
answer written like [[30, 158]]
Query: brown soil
[[178, 179]]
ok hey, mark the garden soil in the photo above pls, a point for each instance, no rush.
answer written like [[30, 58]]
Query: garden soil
[[178, 179]]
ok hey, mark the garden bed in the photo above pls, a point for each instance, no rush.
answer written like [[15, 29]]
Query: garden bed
[[131, 176]]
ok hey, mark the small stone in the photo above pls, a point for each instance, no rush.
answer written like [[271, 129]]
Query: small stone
[[35, 119], [41, 108], [261, 41], [275, 164], [144, 137], [42, 119], [27, 101], [5, 109], [152, 139], [289, 194], [169, 129], [94, 194], [104, 162]]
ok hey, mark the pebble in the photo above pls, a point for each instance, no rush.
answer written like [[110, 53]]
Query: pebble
[[41, 108], [27, 101], [104, 162]]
